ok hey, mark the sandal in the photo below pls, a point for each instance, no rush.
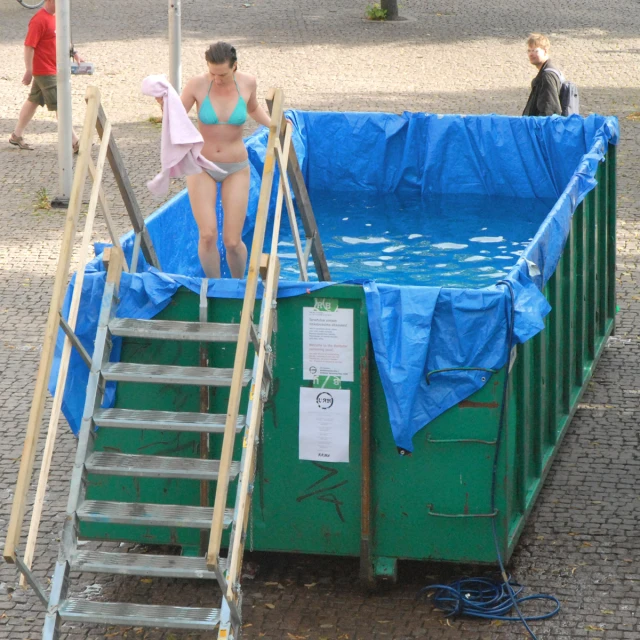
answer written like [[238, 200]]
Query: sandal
[[20, 142]]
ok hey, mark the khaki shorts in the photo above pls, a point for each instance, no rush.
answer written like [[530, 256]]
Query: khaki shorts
[[44, 90]]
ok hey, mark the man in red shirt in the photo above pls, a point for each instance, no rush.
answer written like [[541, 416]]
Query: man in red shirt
[[40, 63]]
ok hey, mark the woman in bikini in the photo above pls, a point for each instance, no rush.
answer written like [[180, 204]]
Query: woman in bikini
[[224, 97]]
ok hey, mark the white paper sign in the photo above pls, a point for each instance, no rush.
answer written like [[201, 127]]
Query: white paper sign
[[324, 424], [327, 343]]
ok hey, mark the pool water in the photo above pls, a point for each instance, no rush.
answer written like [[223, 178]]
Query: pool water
[[405, 238]]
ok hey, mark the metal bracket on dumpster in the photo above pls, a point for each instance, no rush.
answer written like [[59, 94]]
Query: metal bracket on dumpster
[[434, 371], [462, 440], [431, 512]]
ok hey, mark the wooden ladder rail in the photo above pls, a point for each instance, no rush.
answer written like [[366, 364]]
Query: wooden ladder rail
[[127, 194], [51, 329], [282, 151], [247, 472], [313, 242], [94, 119], [246, 324], [56, 410]]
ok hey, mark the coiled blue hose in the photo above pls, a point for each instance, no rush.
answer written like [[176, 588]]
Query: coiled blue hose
[[484, 598], [481, 597]]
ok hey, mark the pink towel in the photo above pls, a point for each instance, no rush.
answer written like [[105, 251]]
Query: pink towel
[[181, 141]]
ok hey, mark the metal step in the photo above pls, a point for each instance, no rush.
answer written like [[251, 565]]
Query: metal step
[[138, 466], [139, 615], [141, 564], [169, 374], [175, 330], [145, 514], [164, 420]]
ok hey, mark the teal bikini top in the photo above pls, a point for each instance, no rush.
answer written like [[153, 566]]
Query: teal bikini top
[[208, 115]]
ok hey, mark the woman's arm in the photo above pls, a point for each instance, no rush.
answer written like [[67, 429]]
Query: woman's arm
[[255, 110], [188, 96]]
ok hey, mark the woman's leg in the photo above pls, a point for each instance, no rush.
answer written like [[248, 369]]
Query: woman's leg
[[203, 190], [235, 197]]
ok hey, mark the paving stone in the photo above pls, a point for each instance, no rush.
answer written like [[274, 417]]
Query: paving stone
[[447, 57]]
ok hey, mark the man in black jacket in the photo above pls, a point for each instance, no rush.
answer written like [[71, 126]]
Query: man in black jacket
[[544, 99]]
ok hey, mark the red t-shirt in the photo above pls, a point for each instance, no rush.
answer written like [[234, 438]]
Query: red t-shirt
[[42, 37]]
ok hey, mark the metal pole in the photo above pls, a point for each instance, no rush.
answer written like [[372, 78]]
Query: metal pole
[[65, 121], [391, 7], [175, 44]]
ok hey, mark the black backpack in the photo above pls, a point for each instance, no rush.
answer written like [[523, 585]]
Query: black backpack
[[569, 98]]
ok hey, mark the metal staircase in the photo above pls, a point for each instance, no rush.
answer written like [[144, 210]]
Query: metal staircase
[[212, 521], [79, 509]]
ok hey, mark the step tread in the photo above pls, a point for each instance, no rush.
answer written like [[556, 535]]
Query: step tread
[[175, 330], [139, 615], [169, 420], [147, 514], [143, 564], [128, 464], [171, 374]]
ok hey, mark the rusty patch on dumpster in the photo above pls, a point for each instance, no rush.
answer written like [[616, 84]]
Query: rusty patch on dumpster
[[470, 404]]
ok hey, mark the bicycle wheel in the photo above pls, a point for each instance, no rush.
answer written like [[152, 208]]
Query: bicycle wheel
[[31, 4]]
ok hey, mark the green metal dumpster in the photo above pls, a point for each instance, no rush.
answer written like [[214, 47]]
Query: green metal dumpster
[[432, 505]]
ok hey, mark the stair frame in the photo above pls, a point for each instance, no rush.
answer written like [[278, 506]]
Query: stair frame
[[280, 154]]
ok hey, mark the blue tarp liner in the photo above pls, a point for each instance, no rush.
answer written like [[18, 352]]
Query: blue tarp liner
[[414, 329]]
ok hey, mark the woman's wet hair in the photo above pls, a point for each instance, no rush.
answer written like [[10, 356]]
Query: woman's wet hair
[[221, 52]]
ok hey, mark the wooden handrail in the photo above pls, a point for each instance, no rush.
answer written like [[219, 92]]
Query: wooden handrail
[[106, 212], [236, 546], [282, 155], [314, 244], [246, 321], [66, 351], [127, 194], [94, 119], [51, 331]]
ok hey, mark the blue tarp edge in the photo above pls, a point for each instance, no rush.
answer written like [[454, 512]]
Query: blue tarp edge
[[414, 330]]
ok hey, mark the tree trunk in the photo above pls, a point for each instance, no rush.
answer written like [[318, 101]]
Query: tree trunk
[[391, 7]]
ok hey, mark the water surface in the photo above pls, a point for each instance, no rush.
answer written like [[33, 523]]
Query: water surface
[[403, 238]]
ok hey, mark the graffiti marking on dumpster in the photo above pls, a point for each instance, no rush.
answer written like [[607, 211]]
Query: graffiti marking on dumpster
[[325, 493]]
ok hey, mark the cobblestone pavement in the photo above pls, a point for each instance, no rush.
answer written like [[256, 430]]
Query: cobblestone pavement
[[581, 542]]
